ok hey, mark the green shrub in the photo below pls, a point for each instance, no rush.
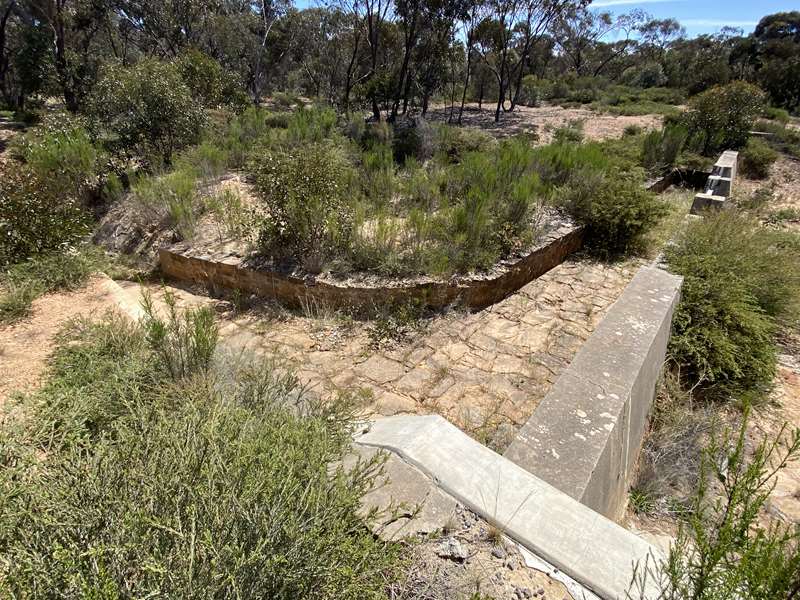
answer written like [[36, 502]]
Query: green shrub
[[306, 190], [60, 149], [125, 481], [208, 82], [739, 280], [721, 118], [147, 109], [614, 209], [23, 282], [726, 547], [756, 159], [453, 143], [781, 115], [632, 130], [530, 93], [379, 173], [173, 195], [36, 217], [569, 134], [660, 149], [206, 161], [413, 137]]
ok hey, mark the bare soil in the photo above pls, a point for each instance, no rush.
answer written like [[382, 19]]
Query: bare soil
[[784, 181], [543, 120], [26, 345]]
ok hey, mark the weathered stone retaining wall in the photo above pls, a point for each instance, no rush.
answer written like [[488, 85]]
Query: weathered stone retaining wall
[[231, 272], [584, 437]]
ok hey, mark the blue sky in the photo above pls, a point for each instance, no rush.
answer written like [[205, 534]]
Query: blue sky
[[703, 16]]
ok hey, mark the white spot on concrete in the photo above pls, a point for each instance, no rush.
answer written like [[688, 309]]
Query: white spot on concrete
[[614, 396], [608, 426], [606, 415], [606, 374], [601, 397], [581, 414], [555, 454], [580, 437]]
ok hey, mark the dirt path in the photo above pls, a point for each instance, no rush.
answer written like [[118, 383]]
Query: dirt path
[[26, 345], [544, 119]]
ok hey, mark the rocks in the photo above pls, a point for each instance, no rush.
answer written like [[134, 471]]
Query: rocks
[[453, 549]]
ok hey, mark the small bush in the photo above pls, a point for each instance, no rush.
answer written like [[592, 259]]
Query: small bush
[[530, 93], [660, 149], [306, 191], [23, 282], [147, 109], [781, 115], [724, 548], [615, 210], [35, 217], [413, 137], [569, 134], [453, 143], [740, 279], [173, 196], [128, 480], [756, 159], [209, 83], [721, 118], [632, 130], [61, 150]]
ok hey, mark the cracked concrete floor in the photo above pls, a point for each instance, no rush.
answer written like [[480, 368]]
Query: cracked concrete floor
[[485, 372]]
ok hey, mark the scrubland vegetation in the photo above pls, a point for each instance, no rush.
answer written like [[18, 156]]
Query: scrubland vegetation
[[150, 463]]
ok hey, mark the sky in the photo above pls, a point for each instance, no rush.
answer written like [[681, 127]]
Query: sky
[[703, 16]]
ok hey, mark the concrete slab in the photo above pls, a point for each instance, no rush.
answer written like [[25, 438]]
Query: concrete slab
[[704, 202], [719, 186], [407, 501], [593, 550], [584, 437]]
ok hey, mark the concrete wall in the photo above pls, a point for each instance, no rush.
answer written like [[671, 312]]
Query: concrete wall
[[584, 437], [719, 186], [227, 271]]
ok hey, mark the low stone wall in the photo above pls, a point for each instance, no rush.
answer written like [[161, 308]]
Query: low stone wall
[[475, 293], [584, 437]]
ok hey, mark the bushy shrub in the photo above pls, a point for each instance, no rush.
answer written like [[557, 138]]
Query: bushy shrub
[[147, 109], [721, 118], [172, 196], [660, 149], [569, 134], [23, 282], [648, 75], [61, 149], [781, 115], [219, 481], [208, 82], [756, 159], [530, 93], [614, 209], [413, 137], [35, 216], [739, 280], [453, 143], [306, 190], [728, 546]]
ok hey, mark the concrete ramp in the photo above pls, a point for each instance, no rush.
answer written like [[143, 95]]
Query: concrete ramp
[[588, 547]]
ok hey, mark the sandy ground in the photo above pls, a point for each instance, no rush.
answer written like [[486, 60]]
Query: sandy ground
[[544, 119], [26, 345], [784, 181]]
